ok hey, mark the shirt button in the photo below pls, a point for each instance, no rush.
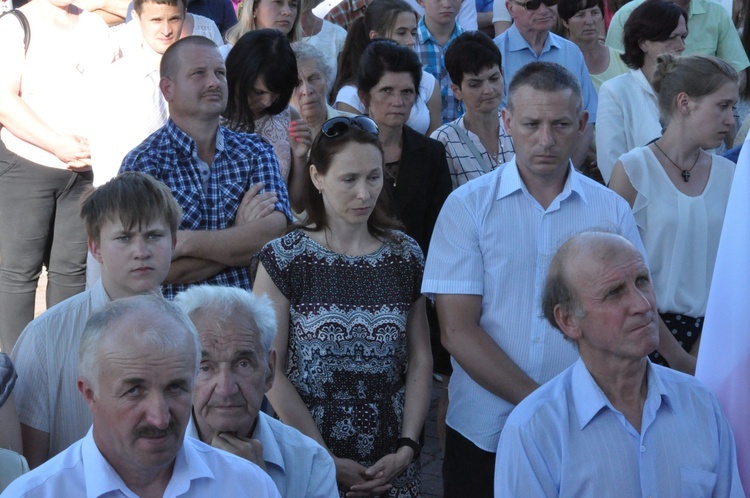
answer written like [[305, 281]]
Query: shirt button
[[643, 448], [538, 340]]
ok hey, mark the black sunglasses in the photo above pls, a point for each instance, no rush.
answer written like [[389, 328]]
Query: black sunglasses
[[534, 4], [335, 127]]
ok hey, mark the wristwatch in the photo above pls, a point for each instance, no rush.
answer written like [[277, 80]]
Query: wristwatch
[[407, 441]]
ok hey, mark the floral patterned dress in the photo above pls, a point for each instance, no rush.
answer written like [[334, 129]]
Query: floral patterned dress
[[347, 352]]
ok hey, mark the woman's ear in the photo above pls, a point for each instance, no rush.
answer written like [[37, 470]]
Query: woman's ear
[[684, 103], [316, 178], [373, 34], [364, 97]]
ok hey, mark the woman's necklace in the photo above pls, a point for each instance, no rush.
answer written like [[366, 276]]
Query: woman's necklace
[[685, 172]]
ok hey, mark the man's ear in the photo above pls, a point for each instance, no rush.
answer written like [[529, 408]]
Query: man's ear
[[165, 85], [506, 114], [421, 3], [95, 251], [583, 120], [568, 322], [87, 391], [271, 373]]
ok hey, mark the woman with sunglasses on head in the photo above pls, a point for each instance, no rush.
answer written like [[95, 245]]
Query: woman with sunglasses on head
[[628, 114], [583, 20], [351, 318], [394, 20], [261, 76], [679, 192]]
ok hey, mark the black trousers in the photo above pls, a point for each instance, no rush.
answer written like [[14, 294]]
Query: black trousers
[[467, 469]]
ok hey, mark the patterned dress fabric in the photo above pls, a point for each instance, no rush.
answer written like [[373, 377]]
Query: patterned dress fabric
[[347, 352]]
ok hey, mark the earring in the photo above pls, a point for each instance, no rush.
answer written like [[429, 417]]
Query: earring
[[320, 191]]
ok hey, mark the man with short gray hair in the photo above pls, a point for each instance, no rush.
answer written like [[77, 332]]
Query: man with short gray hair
[[613, 423], [236, 332], [137, 363], [490, 250]]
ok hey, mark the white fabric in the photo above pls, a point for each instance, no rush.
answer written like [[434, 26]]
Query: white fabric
[[567, 440], [495, 240], [466, 17], [725, 342], [680, 233], [136, 108], [297, 464], [205, 27], [46, 359], [628, 117], [330, 41], [419, 118], [500, 12], [59, 76], [200, 471]]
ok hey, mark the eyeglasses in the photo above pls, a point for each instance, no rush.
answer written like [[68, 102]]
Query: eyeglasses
[[335, 127], [534, 4]]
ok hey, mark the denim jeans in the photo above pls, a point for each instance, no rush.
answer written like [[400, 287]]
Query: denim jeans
[[40, 224]]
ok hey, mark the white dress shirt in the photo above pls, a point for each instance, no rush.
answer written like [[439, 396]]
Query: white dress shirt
[[495, 240], [566, 439], [46, 359], [297, 464], [200, 471]]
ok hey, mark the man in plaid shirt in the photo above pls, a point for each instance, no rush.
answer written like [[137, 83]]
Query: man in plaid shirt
[[228, 184], [435, 31]]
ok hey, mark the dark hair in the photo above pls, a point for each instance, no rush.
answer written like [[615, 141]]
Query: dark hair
[[696, 75], [169, 61], [386, 56], [379, 17], [653, 20], [323, 150], [546, 77], [568, 8], [470, 53], [132, 198], [262, 53], [138, 4]]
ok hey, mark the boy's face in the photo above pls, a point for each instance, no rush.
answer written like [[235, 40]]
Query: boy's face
[[134, 261], [440, 12], [161, 24]]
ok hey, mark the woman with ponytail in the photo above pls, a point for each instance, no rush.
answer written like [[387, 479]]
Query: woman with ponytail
[[679, 192]]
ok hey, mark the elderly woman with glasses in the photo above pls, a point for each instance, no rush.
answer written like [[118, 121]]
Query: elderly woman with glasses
[[351, 318]]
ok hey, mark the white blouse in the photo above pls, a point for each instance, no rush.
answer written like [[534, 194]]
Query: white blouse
[[680, 233]]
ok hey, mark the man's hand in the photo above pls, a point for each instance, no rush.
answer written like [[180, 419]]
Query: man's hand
[[255, 206], [73, 151], [249, 449], [349, 473]]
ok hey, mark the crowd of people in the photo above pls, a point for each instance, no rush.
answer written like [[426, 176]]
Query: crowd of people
[[265, 231]]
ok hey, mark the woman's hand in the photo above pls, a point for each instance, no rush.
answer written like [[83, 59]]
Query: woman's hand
[[300, 139], [381, 473]]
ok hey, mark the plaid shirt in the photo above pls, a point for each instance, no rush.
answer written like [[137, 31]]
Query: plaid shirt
[[431, 54], [241, 160], [346, 12]]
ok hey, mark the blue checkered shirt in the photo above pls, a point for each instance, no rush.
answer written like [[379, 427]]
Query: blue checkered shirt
[[241, 160], [430, 53]]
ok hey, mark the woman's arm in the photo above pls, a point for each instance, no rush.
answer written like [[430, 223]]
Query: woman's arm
[[620, 183]]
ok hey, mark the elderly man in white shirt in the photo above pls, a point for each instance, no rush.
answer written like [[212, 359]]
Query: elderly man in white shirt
[[613, 422], [488, 257], [236, 330], [137, 365]]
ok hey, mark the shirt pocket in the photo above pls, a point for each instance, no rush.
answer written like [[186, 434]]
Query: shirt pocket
[[696, 483]]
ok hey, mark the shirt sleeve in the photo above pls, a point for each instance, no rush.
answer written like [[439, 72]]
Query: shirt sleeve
[[31, 393], [728, 481], [323, 477], [267, 171], [467, 15], [520, 467], [616, 29], [7, 378], [729, 47], [500, 12], [454, 264], [270, 257], [610, 134]]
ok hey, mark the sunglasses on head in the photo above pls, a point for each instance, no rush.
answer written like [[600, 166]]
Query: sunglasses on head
[[335, 127], [534, 4]]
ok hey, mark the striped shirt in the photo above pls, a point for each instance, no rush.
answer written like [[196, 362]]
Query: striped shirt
[[430, 53], [46, 358], [566, 439], [495, 240], [7, 377], [462, 164], [210, 197]]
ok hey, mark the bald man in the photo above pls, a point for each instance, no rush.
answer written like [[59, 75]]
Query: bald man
[[613, 420]]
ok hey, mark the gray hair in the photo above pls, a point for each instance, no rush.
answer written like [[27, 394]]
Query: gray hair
[[545, 77], [102, 323], [304, 51], [225, 301]]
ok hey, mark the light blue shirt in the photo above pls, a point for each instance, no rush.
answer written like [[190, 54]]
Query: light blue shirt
[[517, 52], [199, 471], [567, 440], [495, 240], [296, 463]]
